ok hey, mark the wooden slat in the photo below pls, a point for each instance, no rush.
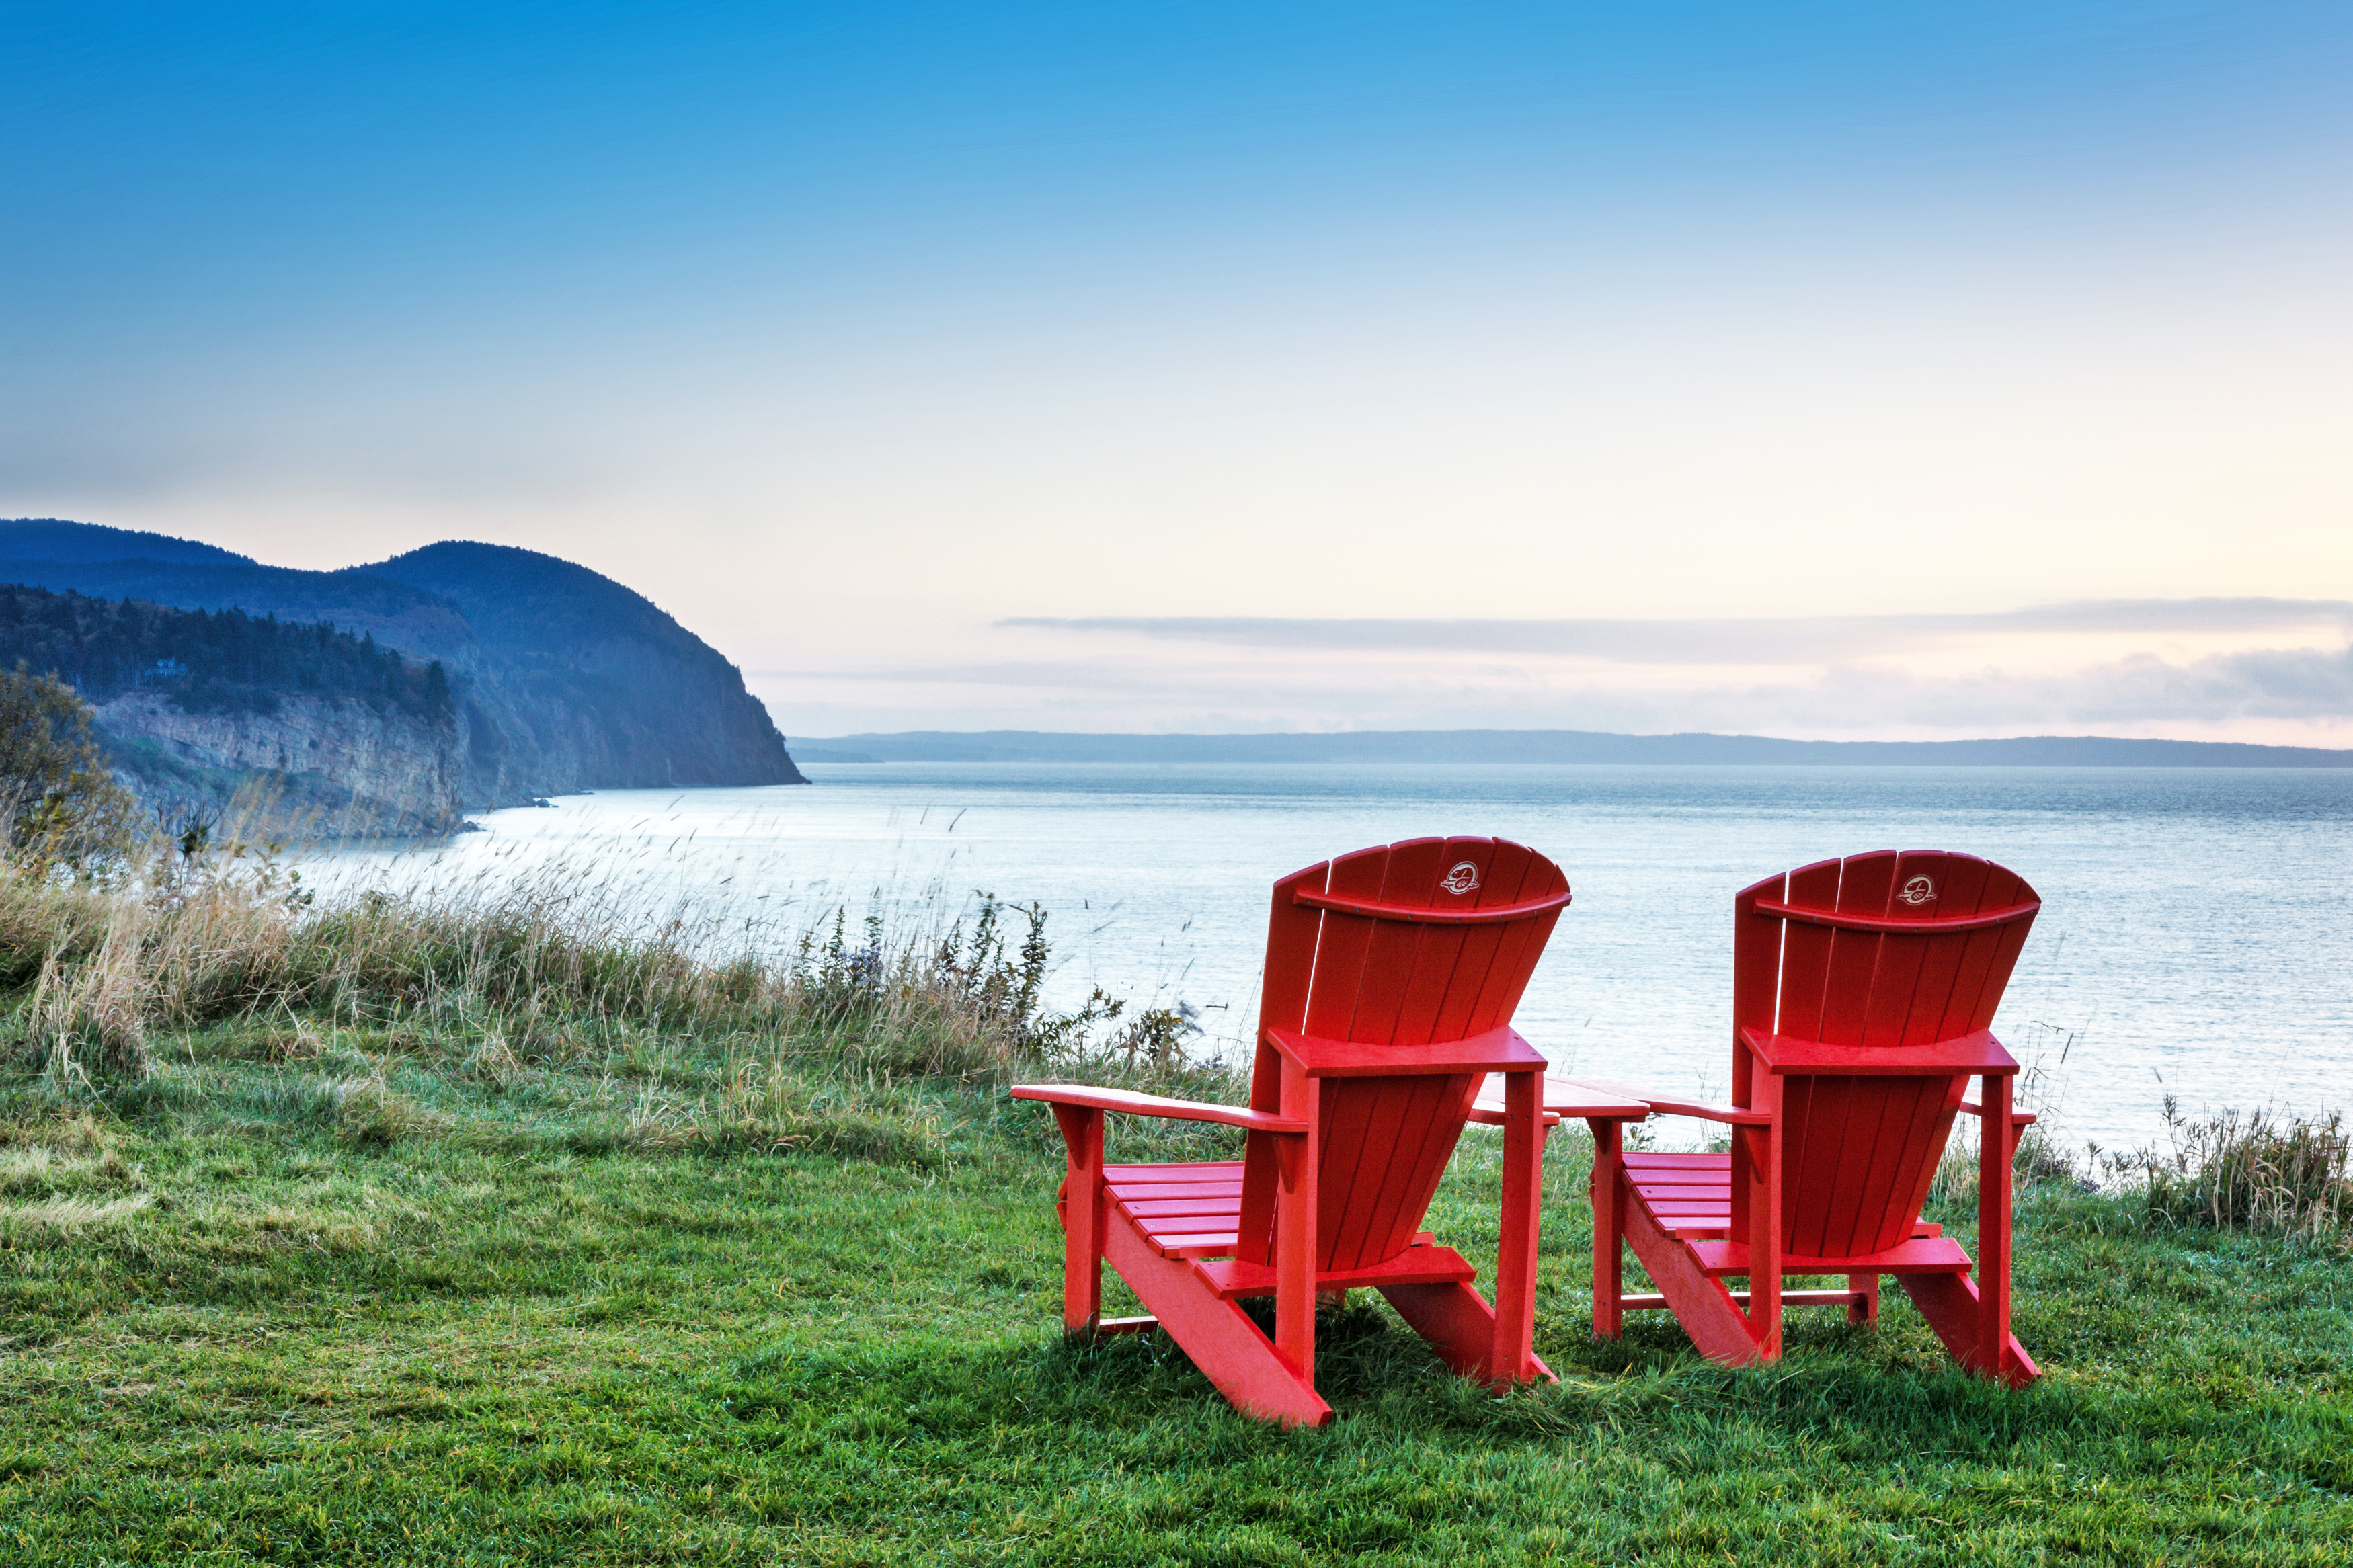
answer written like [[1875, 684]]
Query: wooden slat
[[1411, 874], [1518, 946], [1195, 1224], [1895, 1150], [1928, 1255], [1962, 878], [1436, 963], [1980, 950], [1813, 1123], [1220, 1191], [1858, 1197], [1160, 1208], [1291, 939], [1806, 954], [1931, 1126], [1362, 1234], [1458, 1001], [1365, 1116], [1432, 1127], [1206, 1244], [1646, 1302], [1866, 883], [1415, 1265], [1204, 1175], [2013, 941], [1495, 980], [1756, 975], [1894, 982], [1207, 1213]]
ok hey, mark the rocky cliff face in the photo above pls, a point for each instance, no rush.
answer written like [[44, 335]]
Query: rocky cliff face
[[354, 768]]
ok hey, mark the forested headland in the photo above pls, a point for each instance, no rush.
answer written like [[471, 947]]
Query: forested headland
[[208, 661]]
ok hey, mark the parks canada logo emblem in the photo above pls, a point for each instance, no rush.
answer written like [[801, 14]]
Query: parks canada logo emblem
[[1917, 891], [1462, 879]]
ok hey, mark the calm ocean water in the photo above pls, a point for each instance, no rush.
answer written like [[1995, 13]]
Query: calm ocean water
[[2194, 938]]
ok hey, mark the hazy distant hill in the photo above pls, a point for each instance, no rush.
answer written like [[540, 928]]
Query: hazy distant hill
[[1558, 746], [563, 679], [55, 539]]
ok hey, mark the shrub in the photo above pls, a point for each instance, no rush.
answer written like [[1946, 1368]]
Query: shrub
[[61, 803]]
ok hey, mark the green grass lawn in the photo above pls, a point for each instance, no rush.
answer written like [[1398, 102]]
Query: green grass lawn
[[255, 1313]]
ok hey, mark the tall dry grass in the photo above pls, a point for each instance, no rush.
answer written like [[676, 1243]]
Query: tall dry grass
[[2260, 1171], [215, 928]]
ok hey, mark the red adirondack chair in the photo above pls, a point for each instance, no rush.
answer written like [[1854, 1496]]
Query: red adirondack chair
[[1392, 976], [1863, 995]]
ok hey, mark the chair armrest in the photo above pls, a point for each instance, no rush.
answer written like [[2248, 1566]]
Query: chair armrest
[[1486, 1114], [1158, 1105], [1732, 1114], [1594, 1099], [2016, 1118]]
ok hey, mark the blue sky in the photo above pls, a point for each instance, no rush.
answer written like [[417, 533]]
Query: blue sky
[[919, 357]]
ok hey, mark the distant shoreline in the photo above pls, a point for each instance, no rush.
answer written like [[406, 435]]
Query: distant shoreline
[[1554, 746]]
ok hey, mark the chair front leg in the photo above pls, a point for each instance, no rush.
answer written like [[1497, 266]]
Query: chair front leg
[[1086, 1211], [1521, 1221], [1295, 1227], [1756, 1168]]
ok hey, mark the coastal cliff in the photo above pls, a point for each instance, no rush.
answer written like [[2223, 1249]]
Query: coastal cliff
[[559, 680], [354, 768]]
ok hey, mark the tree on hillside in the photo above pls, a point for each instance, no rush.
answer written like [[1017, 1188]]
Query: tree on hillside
[[58, 797]]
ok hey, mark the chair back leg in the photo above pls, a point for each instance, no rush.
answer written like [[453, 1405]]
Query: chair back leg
[[1997, 1148], [1608, 1229], [1086, 1209]]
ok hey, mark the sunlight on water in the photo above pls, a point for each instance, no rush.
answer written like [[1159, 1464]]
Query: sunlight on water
[[2194, 937]]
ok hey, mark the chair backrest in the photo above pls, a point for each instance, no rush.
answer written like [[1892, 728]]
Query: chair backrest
[[1892, 949], [1353, 953]]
